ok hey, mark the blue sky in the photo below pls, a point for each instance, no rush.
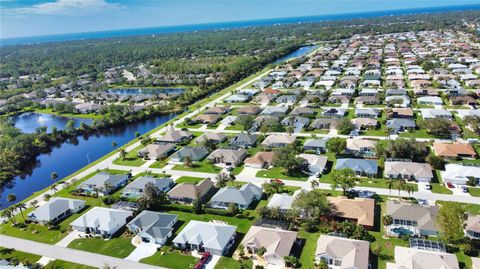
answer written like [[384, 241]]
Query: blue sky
[[45, 17]]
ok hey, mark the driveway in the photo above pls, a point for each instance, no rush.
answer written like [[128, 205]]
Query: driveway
[[212, 262], [143, 250]]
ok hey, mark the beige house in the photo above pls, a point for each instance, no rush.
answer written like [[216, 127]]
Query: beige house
[[359, 210], [262, 159], [187, 192], [412, 258], [278, 140], [472, 227], [475, 263], [421, 172], [228, 156], [277, 242], [361, 147], [454, 150], [341, 252]]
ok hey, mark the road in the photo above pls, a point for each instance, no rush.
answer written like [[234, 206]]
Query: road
[[70, 255]]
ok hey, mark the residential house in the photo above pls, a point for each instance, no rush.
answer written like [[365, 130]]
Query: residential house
[[324, 123], [153, 227], [414, 258], [333, 112], [237, 98], [459, 174], [217, 110], [361, 147], [316, 163], [358, 210], [367, 100], [435, 113], [282, 201], [364, 123], [187, 192], [302, 111], [101, 221], [430, 100], [278, 243], [194, 153], [472, 227], [401, 113], [102, 183], [242, 197], [156, 151], [248, 110], [287, 99], [454, 150], [243, 140], [213, 237], [421, 172], [175, 137], [295, 121], [137, 187], [400, 125], [278, 140], [208, 118], [315, 144], [361, 167], [56, 209], [262, 159], [366, 113], [229, 157], [339, 252], [275, 110], [215, 138], [412, 219]]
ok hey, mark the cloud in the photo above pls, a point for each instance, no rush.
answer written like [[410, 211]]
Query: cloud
[[67, 7]]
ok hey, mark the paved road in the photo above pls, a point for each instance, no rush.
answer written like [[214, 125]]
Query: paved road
[[70, 255]]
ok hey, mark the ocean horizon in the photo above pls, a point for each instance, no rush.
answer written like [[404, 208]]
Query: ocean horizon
[[222, 25]]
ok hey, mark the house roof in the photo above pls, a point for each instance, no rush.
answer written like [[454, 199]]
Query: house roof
[[281, 200], [104, 178], [315, 160], [174, 136], [211, 235], [139, 184], [276, 241], [54, 207], [248, 110], [157, 225], [353, 253], [278, 138], [418, 170], [158, 149], [424, 215], [358, 165], [242, 196], [261, 158], [228, 155], [311, 142], [102, 218], [217, 137], [196, 153], [216, 110], [360, 209], [412, 258], [453, 149], [244, 139], [358, 144], [191, 191], [473, 223]]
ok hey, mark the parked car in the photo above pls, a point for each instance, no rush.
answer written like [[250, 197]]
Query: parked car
[[450, 185], [428, 186], [366, 194], [422, 202], [464, 189], [205, 256], [278, 181]]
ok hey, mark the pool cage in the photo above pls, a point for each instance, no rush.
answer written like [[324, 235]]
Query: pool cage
[[424, 244]]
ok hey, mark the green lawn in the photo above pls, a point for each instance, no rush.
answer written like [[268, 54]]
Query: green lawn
[[230, 263], [204, 167], [308, 252], [276, 172], [58, 264], [69, 115], [474, 191], [158, 164], [237, 170], [242, 224], [437, 184], [10, 253], [131, 159], [370, 182], [421, 133], [185, 179], [119, 247], [473, 209], [168, 259]]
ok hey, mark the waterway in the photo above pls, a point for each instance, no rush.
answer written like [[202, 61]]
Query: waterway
[[297, 53], [146, 91], [30, 121]]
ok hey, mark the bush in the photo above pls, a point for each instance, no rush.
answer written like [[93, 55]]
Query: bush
[[219, 212], [108, 200]]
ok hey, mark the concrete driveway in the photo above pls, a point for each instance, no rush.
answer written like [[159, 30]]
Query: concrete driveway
[[212, 262], [143, 250]]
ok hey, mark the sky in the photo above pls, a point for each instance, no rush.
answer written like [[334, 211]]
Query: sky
[[46, 17]]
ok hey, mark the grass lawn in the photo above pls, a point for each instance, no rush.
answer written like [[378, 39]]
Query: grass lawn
[[185, 179], [308, 252], [69, 115], [276, 172], [421, 133], [242, 224], [59, 264], [9, 253], [474, 191], [158, 164], [437, 184], [173, 259], [131, 159], [199, 167], [237, 170], [370, 182], [235, 127], [119, 247], [230, 263], [473, 209]]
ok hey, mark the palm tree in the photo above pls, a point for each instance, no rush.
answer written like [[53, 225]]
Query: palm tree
[[401, 184], [123, 154], [21, 207], [54, 176], [390, 184], [8, 213], [187, 161], [54, 188], [34, 203], [315, 184]]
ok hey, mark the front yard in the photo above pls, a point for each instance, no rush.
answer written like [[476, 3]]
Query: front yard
[[119, 247], [203, 166], [277, 172], [170, 259], [131, 158]]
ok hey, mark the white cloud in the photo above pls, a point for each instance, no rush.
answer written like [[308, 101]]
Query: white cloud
[[67, 7]]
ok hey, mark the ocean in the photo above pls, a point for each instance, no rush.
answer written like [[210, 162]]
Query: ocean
[[222, 25]]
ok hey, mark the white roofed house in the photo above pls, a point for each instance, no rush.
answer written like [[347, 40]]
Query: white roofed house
[[101, 221], [242, 197], [136, 188], [152, 226], [414, 258], [216, 238], [316, 163], [102, 183], [278, 140], [56, 209], [459, 174]]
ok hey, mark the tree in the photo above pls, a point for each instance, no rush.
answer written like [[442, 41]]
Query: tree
[[286, 158], [390, 184], [450, 219], [403, 149], [34, 203], [387, 220], [336, 145], [153, 197], [472, 181], [21, 207], [312, 205], [345, 126], [343, 178], [314, 184], [123, 154], [137, 134], [114, 144], [187, 161], [436, 162], [322, 264], [11, 197], [400, 185], [197, 206], [9, 213], [260, 251], [246, 121], [272, 187], [291, 261], [70, 126], [221, 180], [209, 144], [54, 188], [439, 127], [232, 209]]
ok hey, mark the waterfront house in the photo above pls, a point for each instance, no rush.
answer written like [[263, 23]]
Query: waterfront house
[[216, 238], [153, 227], [56, 209], [156, 151], [175, 137], [101, 221], [102, 183]]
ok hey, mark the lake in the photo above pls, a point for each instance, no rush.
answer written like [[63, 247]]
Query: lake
[[73, 155], [146, 91], [28, 122], [297, 53]]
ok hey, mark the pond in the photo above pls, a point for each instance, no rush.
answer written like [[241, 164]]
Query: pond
[[73, 155], [28, 122], [146, 91], [297, 53]]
